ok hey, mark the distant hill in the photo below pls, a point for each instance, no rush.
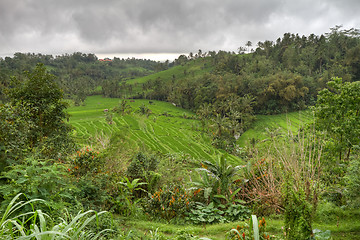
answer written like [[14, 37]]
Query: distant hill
[[140, 86]]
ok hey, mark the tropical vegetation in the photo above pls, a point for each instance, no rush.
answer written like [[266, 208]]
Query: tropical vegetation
[[220, 145]]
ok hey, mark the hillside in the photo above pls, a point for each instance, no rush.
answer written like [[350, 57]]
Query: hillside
[[140, 86], [168, 129], [267, 125]]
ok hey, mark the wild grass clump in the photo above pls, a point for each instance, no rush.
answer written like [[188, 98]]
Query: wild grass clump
[[35, 224]]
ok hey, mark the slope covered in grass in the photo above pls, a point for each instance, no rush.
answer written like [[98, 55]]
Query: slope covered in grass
[[267, 125], [193, 68], [168, 129]]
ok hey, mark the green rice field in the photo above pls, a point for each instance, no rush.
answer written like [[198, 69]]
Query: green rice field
[[280, 124], [168, 129]]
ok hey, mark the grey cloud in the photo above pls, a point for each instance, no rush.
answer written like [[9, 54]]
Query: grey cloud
[[161, 25]]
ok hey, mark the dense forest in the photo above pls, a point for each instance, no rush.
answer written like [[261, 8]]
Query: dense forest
[[78, 74], [284, 75], [300, 177]]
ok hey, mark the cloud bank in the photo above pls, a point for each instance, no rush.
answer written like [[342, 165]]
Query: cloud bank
[[161, 26]]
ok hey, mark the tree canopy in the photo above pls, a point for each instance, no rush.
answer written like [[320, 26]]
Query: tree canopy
[[337, 113], [35, 115]]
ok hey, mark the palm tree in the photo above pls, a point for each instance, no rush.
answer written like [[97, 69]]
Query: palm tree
[[248, 44], [222, 174], [220, 124]]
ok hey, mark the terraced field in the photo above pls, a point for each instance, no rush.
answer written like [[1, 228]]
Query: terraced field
[[167, 130], [272, 124]]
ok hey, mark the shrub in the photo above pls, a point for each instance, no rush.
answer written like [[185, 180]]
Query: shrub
[[123, 108], [208, 214], [253, 230], [204, 214], [93, 191], [263, 186], [236, 212], [352, 180], [142, 166], [297, 211], [124, 201], [170, 201], [329, 212], [86, 161], [37, 178]]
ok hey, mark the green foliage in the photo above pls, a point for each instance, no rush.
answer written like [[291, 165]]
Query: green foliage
[[42, 100], [169, 202], [125, 202], [185, 235], [86, 161], [122, 108], [109, 117], [337, 113], [254, 230], [352, 183], [236, 212], [34, 119], [144, 110], [216, 177], [141, 164], [329, 212], [297, 211], [205, 214], [321, 235], [37, 178], [132, 186], [39, 225], [208, 214], [94, 191], [143, 167], [14, 127]]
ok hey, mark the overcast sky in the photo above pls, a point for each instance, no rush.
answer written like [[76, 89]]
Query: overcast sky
[[111, 27]]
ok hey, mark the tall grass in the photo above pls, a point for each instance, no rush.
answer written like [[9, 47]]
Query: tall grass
[[38, 225]]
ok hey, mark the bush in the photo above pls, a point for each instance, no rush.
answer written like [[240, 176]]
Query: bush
[[297, 211], [37, 178], [142, 166], [203, 214], [208, 214], [249, 231], [171, 201], [236, 212], [263, 186], [352, 180], [328, 212], [86, 161], [93, 191], [124, 201]]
